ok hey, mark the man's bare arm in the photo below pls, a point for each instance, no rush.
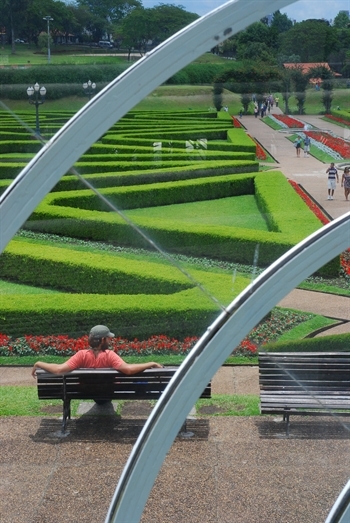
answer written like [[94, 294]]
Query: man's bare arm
[[54, 368], [134, 368]]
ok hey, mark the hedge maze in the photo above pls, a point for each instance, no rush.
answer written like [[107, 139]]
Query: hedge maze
[[145, 161]]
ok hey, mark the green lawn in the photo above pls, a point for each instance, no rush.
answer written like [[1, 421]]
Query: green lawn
[[238, 211], [23, 401]]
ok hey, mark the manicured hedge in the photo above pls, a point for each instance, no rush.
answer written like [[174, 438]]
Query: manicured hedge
[[340, 342], [86, 272], [193, 171], [345, 115], [75, 314], [228, 243]]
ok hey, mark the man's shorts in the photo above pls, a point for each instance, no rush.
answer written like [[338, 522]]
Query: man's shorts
[[332, 184], [306, 148]]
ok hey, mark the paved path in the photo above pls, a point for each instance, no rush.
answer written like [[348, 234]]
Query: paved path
[[311, 173]]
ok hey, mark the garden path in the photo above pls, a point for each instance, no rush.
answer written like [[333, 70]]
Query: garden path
[[309, 172]]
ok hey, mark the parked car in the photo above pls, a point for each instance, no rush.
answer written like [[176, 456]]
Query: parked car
[[19, 41], [105, 44]]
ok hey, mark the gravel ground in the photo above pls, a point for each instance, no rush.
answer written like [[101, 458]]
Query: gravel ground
[[233, 469]]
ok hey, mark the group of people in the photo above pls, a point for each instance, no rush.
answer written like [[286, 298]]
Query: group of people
[[265, 106], [333, 179], [298, 142]]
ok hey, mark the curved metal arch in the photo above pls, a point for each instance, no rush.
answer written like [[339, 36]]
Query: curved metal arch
[[209, 354], [105, 109]]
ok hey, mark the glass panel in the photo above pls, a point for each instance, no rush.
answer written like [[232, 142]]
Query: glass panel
[[161, 224]]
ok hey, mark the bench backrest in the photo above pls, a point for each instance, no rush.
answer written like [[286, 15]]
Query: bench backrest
[[106, 384], [317, 372]]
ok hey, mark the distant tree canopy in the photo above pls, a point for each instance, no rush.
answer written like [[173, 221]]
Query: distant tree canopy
[[341, 20], [155, 24], [250, 77], [312, 40]]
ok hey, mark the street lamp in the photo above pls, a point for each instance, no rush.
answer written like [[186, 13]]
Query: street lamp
[[36, 96], [89, 88], [48, 19]]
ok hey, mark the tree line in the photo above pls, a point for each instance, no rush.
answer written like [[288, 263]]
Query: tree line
[[282, 41], [126, 22]]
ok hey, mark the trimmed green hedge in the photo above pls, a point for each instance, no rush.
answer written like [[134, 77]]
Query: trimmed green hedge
[[193, 171], [89, 273], [345, 115], [340, 342], [228, 243]]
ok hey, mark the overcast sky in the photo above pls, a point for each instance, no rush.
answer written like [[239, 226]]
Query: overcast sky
[[301, 10]]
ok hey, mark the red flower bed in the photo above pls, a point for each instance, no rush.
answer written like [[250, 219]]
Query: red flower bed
[[259, 153], [345, 256], [289, 121], [338, 119], [333, 142], [235, 122], [309, 202]]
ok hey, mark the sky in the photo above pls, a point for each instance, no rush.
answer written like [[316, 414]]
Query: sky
[[300, 10]]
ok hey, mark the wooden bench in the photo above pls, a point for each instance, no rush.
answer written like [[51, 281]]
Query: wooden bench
[[104, 385], [304, 383]]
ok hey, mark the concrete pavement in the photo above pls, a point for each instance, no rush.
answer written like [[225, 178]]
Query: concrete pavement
[[309, 172]]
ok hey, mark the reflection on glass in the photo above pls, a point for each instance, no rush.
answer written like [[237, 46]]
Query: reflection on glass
[[209, 189]]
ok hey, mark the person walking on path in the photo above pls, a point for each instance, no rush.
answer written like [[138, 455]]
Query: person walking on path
[[98, 357], [297, 145], [307, 143], [345, 182], [333, 179]]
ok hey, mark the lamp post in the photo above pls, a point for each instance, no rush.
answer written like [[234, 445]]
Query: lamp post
[[48, 19], [89, 88], [36, 96]]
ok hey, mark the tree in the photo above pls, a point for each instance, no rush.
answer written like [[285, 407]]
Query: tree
[[248, 79], [168, 19], [112, 11], [281, 23], [300, 82], [256, 51], [286, 88], [326, 76], [342, 20], [217, 95], [313, 40], [136, 30], [11, 15]]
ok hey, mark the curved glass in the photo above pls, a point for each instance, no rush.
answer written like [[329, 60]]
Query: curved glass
[[166, 221]]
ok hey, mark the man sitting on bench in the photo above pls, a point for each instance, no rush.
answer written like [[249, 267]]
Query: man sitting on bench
[[98, 357]]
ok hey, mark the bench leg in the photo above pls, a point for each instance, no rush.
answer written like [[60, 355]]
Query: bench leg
[[286, 419], [66, 414]]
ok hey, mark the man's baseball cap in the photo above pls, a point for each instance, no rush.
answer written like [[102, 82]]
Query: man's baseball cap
[[101, 331]]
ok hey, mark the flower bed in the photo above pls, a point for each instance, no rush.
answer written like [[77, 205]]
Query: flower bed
[[331, 142], [260, 153], [337, 119], [267, 331], [309, 202], [236, 123], [345, 256], [288, 121]]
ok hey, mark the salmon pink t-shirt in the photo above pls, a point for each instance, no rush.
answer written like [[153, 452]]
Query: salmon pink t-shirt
[[86, 359]]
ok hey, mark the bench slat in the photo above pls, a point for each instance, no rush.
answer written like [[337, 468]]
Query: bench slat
[[105, 384], [304, 383]]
